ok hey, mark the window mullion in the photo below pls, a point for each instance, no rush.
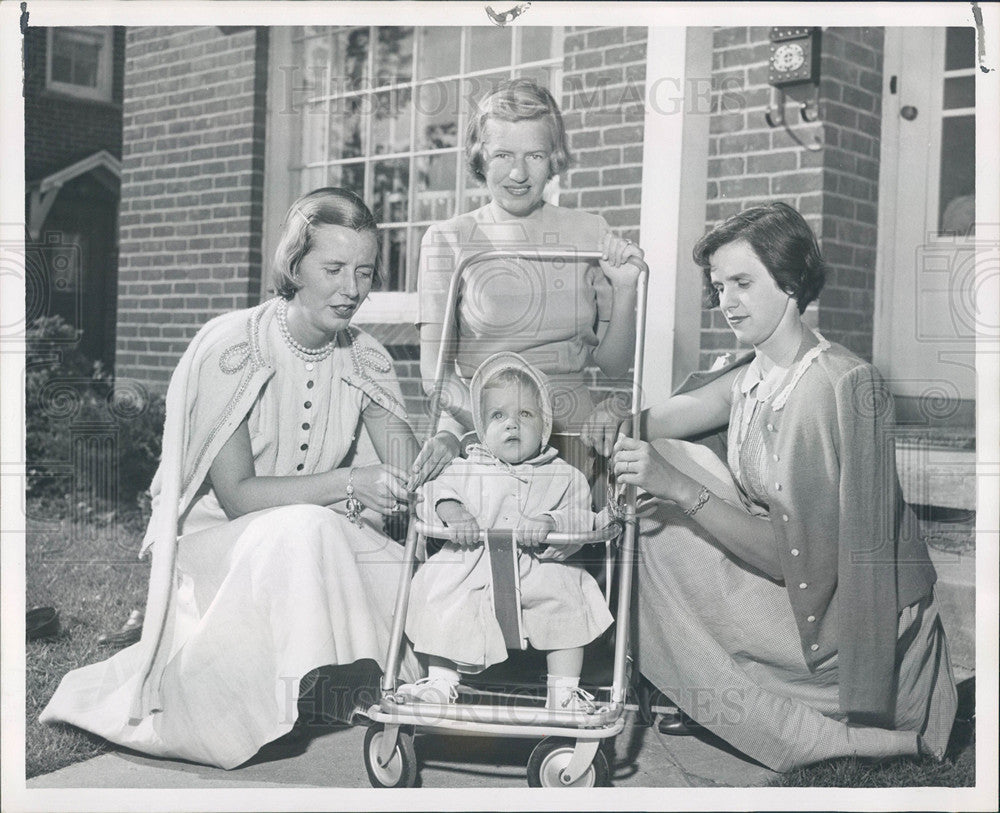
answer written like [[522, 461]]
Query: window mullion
[[409, 272], [369, 165], [461, 126]]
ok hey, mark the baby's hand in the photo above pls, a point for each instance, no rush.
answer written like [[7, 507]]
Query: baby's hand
[[532, 531], [454, 515]]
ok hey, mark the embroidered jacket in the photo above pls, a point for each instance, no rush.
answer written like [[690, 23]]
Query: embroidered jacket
[[211, 391]]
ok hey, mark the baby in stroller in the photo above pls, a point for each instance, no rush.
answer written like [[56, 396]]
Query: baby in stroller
[[511, 479]]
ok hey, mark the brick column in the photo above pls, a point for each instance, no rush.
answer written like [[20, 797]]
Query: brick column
[[851, 109], [192, 188], [604, 77], [836, 188]]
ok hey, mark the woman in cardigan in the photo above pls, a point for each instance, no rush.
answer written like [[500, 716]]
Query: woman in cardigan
[[785, 602], [255, 581]]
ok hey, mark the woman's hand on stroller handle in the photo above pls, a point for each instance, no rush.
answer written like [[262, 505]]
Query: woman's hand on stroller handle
[[380, 487], [601, 428], [436, 453], [621, 260]]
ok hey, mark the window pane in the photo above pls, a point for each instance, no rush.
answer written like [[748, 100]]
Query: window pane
[[476, 87], [536, 43], [437, 115], [958, 175], [435, 186], [346, 127], [439, 51], [960, 48], [393, 253], [350, 60], [541, 74], [391, 183], [393, 55], [85, 60], [476, 195], [316, 69], [350, 176], [959, 91], [488, 47], [391, 121], [76, 56], [62, 68]]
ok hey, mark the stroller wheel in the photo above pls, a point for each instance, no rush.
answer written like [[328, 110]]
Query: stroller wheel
[[551, 756], [401, 769]]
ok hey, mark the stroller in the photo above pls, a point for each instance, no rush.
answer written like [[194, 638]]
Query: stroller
[[568, 754]]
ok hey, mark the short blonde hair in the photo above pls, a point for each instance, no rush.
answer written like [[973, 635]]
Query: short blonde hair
[[330, 206], [517, 100]]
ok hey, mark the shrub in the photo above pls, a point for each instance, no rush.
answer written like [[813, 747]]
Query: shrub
[[70, 399]]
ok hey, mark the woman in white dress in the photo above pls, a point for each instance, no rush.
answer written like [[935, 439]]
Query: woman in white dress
[[268, 556]]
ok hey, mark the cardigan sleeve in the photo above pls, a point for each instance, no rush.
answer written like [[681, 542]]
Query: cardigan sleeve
[[867, 606]]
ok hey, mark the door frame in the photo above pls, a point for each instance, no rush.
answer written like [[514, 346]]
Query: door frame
[[889, 263]]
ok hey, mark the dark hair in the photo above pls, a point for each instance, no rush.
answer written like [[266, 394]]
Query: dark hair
[[782, 241], [330, 206], [517, 100]]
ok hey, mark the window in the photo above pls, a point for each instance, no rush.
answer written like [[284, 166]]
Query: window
[[78, 62], [383, 110], [957, 186]]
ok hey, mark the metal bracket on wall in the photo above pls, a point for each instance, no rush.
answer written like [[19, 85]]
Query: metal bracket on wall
[[808, 114]]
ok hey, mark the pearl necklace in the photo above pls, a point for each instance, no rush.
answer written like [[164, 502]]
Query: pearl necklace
[[307, 354]]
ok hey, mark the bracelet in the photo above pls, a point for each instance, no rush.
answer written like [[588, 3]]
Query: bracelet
[[354, 505], [703, 496]]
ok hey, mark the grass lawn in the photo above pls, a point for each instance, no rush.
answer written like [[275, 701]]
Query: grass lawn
[[90, 572], [958, 770], [87, 568]]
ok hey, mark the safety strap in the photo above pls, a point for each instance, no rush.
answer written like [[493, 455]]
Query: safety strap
[[506, 586]]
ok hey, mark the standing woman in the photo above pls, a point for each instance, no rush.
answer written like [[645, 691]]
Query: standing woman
[[785, 602], [561, 316], [255, 581]]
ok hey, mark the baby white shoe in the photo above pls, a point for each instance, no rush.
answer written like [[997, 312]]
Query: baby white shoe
[[570, 698], [428, 690]]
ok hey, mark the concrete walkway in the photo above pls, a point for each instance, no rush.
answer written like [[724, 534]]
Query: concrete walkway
[[332, 757]]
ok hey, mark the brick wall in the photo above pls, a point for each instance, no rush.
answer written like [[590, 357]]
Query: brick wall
[[836, 188], [851, 91], [60, 129], [192, 188], [603, 105]]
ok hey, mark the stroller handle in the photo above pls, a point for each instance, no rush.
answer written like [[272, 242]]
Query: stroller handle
[[605, 534], [449, 345]]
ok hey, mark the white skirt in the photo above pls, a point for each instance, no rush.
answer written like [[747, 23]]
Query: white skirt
[[260, 602], [720, 640]]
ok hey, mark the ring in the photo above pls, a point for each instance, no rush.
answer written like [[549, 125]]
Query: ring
[[397, 506]]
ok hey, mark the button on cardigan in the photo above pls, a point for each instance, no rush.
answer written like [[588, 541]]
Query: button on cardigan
[[840, 508]]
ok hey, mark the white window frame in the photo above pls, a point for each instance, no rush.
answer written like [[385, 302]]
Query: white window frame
[[388, 307], [101, 93]]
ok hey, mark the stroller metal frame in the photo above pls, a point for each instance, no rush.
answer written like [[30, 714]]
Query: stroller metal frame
[[389, 754]]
